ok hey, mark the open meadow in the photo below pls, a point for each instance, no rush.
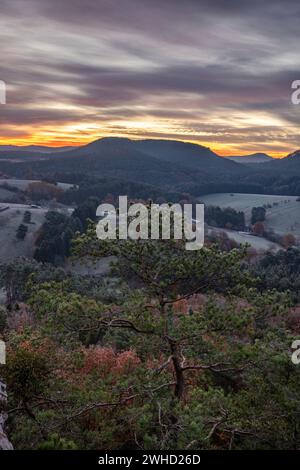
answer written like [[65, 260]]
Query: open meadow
[[283, 212]]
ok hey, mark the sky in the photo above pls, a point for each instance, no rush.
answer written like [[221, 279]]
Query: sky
[[213, 72]]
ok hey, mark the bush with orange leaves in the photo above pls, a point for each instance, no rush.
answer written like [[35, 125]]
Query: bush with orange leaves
[[105, 361]]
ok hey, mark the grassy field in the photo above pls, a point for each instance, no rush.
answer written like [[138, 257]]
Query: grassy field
[[23, 184], [6, 195], [283, 216], [260, 244], [10, 219]]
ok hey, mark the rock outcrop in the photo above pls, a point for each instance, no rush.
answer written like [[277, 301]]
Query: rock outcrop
[[5, 444]]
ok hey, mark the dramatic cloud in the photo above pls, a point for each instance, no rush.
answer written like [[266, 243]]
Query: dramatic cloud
[[214, 72]]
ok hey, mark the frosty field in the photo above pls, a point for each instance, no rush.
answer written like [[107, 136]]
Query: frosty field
[[283, 212]]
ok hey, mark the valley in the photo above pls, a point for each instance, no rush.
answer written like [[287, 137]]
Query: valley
[[158, 169]]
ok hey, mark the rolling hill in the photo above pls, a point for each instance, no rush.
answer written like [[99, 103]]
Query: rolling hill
[[288, 166], [29, 151], [187, 154], [168, 163], [252, 158]]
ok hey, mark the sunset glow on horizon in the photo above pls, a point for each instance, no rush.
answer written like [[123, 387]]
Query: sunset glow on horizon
[[160, 72]]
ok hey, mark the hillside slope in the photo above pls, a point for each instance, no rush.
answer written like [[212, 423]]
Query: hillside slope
[[167, 163], [287, 166], [189, 155]]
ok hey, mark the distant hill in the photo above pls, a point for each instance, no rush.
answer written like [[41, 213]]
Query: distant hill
[[157, 162], [288, 166], [30, 152], [294, 156], [179, 154], [252, 158], [33, 148], [187, 154], [166, 165]]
